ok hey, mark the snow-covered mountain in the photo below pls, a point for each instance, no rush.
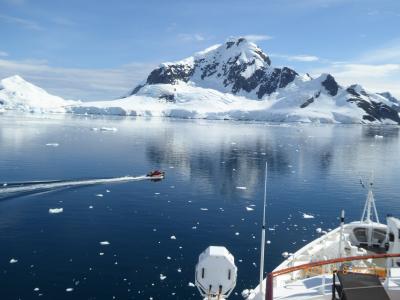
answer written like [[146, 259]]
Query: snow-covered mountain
[[18, 94], [235, 80]]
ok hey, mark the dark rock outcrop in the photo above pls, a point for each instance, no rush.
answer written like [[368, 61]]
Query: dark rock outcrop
[[330, 85], [376, 111]]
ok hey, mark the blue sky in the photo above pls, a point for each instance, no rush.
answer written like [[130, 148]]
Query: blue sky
[[101, 49]]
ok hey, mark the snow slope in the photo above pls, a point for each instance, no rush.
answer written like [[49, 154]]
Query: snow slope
[[235, 80], [18, 94]]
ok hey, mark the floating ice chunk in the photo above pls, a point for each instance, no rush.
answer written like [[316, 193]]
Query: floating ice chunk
[[271, 229], [104, 243], [191, 284], [107, 191], [173, 237], [162, 277], [99, 195], [156, 193], [13, 261], [4, 184], [90, 206], [318, 230], [237, 233], [241, 188], [204, 209], [52, 144], [268, 242], [308, 216], [69, 289], [101, 253], [378, 136], [169, 258], [179, 270], [36, 289], [245, 293], [113, 129], [249, 208], [56, 210]]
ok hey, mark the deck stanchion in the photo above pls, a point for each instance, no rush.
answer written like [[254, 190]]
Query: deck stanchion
[[269, 295]]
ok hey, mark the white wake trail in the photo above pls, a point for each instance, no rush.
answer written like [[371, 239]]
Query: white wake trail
[[32, 187]]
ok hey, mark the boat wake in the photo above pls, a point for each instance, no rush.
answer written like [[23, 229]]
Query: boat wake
[[12, 190]]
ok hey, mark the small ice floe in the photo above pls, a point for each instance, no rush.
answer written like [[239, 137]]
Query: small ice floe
[[378, 136], [13, 261], [99, 195], [203, 208], [308, 216], [249, 208], [36, 289], [104, 243], [52, 144], [56, 210], [169, 258], [173, 237], [318, 230], [271, 229], [241, 188], [268, 242], [101, 253], [162, 277], [237, 233], [91, 206], [107, 191], [69, 290], [4, 184], [179, 270], [285, 254], [113, 129], [245, 293], [191, 284], [156, 193]]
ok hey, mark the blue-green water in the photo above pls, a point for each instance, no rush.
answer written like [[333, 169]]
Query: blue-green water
[[312, 169]]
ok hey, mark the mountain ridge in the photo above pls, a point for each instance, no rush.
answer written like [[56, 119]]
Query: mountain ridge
[[234, 80]]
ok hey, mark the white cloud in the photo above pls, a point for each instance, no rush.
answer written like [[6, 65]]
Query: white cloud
[[299, 57], [191, 37], [25, 23], [3, 54], [257, 37], [74, 83], [374, 77], [305, 58]]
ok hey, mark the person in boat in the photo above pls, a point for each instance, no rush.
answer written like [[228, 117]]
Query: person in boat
[[156, 173]]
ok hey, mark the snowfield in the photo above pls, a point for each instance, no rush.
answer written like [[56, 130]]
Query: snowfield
[[231, 81]]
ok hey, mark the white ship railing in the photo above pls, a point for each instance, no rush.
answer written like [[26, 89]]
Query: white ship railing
[[309, 267]]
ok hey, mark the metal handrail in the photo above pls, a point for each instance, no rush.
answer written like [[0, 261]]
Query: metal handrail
[[269, 295]]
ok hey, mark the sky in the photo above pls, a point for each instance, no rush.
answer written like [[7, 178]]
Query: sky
[[91, 50]]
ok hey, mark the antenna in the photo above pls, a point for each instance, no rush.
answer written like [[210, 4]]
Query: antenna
[[263, 232]]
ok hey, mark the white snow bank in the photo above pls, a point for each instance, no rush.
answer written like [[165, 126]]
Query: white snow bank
[[16, 93]]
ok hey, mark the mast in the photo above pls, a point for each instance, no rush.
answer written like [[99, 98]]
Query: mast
[[370, 212], [341, 233], [263, 231]]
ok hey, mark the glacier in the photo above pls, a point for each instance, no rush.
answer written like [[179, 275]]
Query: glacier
[[231, 81]]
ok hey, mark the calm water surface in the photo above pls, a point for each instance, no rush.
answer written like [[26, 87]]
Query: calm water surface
[[313, 169]]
